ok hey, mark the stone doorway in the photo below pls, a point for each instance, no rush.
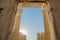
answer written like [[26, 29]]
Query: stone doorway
[[48, 19]]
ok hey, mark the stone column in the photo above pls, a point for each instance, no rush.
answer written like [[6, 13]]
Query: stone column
[[17, 22], [46, 23]]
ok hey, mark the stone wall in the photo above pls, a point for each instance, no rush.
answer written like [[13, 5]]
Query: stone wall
[[7, 15], [55, 9]]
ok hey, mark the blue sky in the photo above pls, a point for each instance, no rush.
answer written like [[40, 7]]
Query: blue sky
[[32, 22]]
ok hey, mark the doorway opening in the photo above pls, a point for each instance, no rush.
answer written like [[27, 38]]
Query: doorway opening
[[32, 23]]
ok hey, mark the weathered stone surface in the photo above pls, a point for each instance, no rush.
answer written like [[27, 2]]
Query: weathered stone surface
[[41, 36], [55, 8], [29, 0], [7, 15]]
